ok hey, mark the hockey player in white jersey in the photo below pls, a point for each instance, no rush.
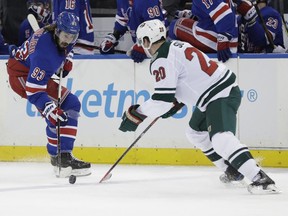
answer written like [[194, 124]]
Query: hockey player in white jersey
[[185, 75]]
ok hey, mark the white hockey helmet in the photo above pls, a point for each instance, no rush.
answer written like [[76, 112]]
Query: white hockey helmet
[[154, 30]]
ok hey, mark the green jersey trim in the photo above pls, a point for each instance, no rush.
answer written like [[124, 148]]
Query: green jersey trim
[[217, 87]]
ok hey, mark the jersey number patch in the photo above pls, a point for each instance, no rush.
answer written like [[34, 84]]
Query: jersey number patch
[[159, 74], [207, 67]]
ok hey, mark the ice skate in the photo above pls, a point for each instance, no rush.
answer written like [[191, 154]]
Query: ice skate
[[232, 177], [70, 166], [263, 185]]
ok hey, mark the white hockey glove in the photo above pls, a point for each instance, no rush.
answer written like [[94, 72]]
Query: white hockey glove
[[53, 114], [183, 14]]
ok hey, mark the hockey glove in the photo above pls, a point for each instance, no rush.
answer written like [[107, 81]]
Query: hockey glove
[[223, 47], [107, 46], [183, 14], [248, 11], [131, 119], [53, 113], [42, 15], [137, 54], [67, 67], [177, 106]]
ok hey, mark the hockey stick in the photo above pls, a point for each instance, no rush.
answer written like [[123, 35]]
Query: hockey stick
[[97, 47], [109, 174], [33, 22], [262, 22], [58, 121]]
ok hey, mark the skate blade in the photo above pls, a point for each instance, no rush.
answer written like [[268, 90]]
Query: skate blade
[[63, 172], [236, 184], [258, 190], [81, 172]]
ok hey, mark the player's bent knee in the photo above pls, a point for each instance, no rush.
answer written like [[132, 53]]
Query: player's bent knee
[[199, 138], [225, 144]]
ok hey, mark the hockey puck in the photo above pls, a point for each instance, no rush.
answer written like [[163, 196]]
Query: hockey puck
[[72, 179]]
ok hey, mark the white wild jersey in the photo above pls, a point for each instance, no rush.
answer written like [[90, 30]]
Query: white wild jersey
[[183, 72]]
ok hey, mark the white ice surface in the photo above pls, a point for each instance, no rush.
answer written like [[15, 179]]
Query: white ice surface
[[32, 189]]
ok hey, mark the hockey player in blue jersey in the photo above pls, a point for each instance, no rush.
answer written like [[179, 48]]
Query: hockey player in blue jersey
[[213, 30], [81, 8], [253, 38], [31, 67], [130, 14], [41, 10]]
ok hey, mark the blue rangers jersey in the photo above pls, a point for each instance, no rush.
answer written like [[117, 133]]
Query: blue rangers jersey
[[130, 14], [216, 15], [43, 58], [250, 43], [81, 8]]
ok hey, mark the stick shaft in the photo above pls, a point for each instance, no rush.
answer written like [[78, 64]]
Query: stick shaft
[[33, 22], [58, 121], [98, 48], [128, 149], [262, 22]]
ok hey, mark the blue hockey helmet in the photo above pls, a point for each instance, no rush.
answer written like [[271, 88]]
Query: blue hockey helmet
[[67, 28]]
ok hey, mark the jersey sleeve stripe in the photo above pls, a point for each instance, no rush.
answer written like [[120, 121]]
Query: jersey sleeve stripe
[[121, 20], [220, 12], [32, 88], [164, 97]]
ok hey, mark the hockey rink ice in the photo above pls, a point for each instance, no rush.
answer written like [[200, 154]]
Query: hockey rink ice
[[30, 188]]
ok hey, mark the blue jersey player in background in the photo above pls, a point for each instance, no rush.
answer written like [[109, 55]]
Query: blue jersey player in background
[[81, 8], [213, 28], [41, 10], [253, 38], [31, 67], [130, 14]]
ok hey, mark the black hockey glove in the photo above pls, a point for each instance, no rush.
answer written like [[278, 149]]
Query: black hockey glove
[[177, 106], [131, 119]]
